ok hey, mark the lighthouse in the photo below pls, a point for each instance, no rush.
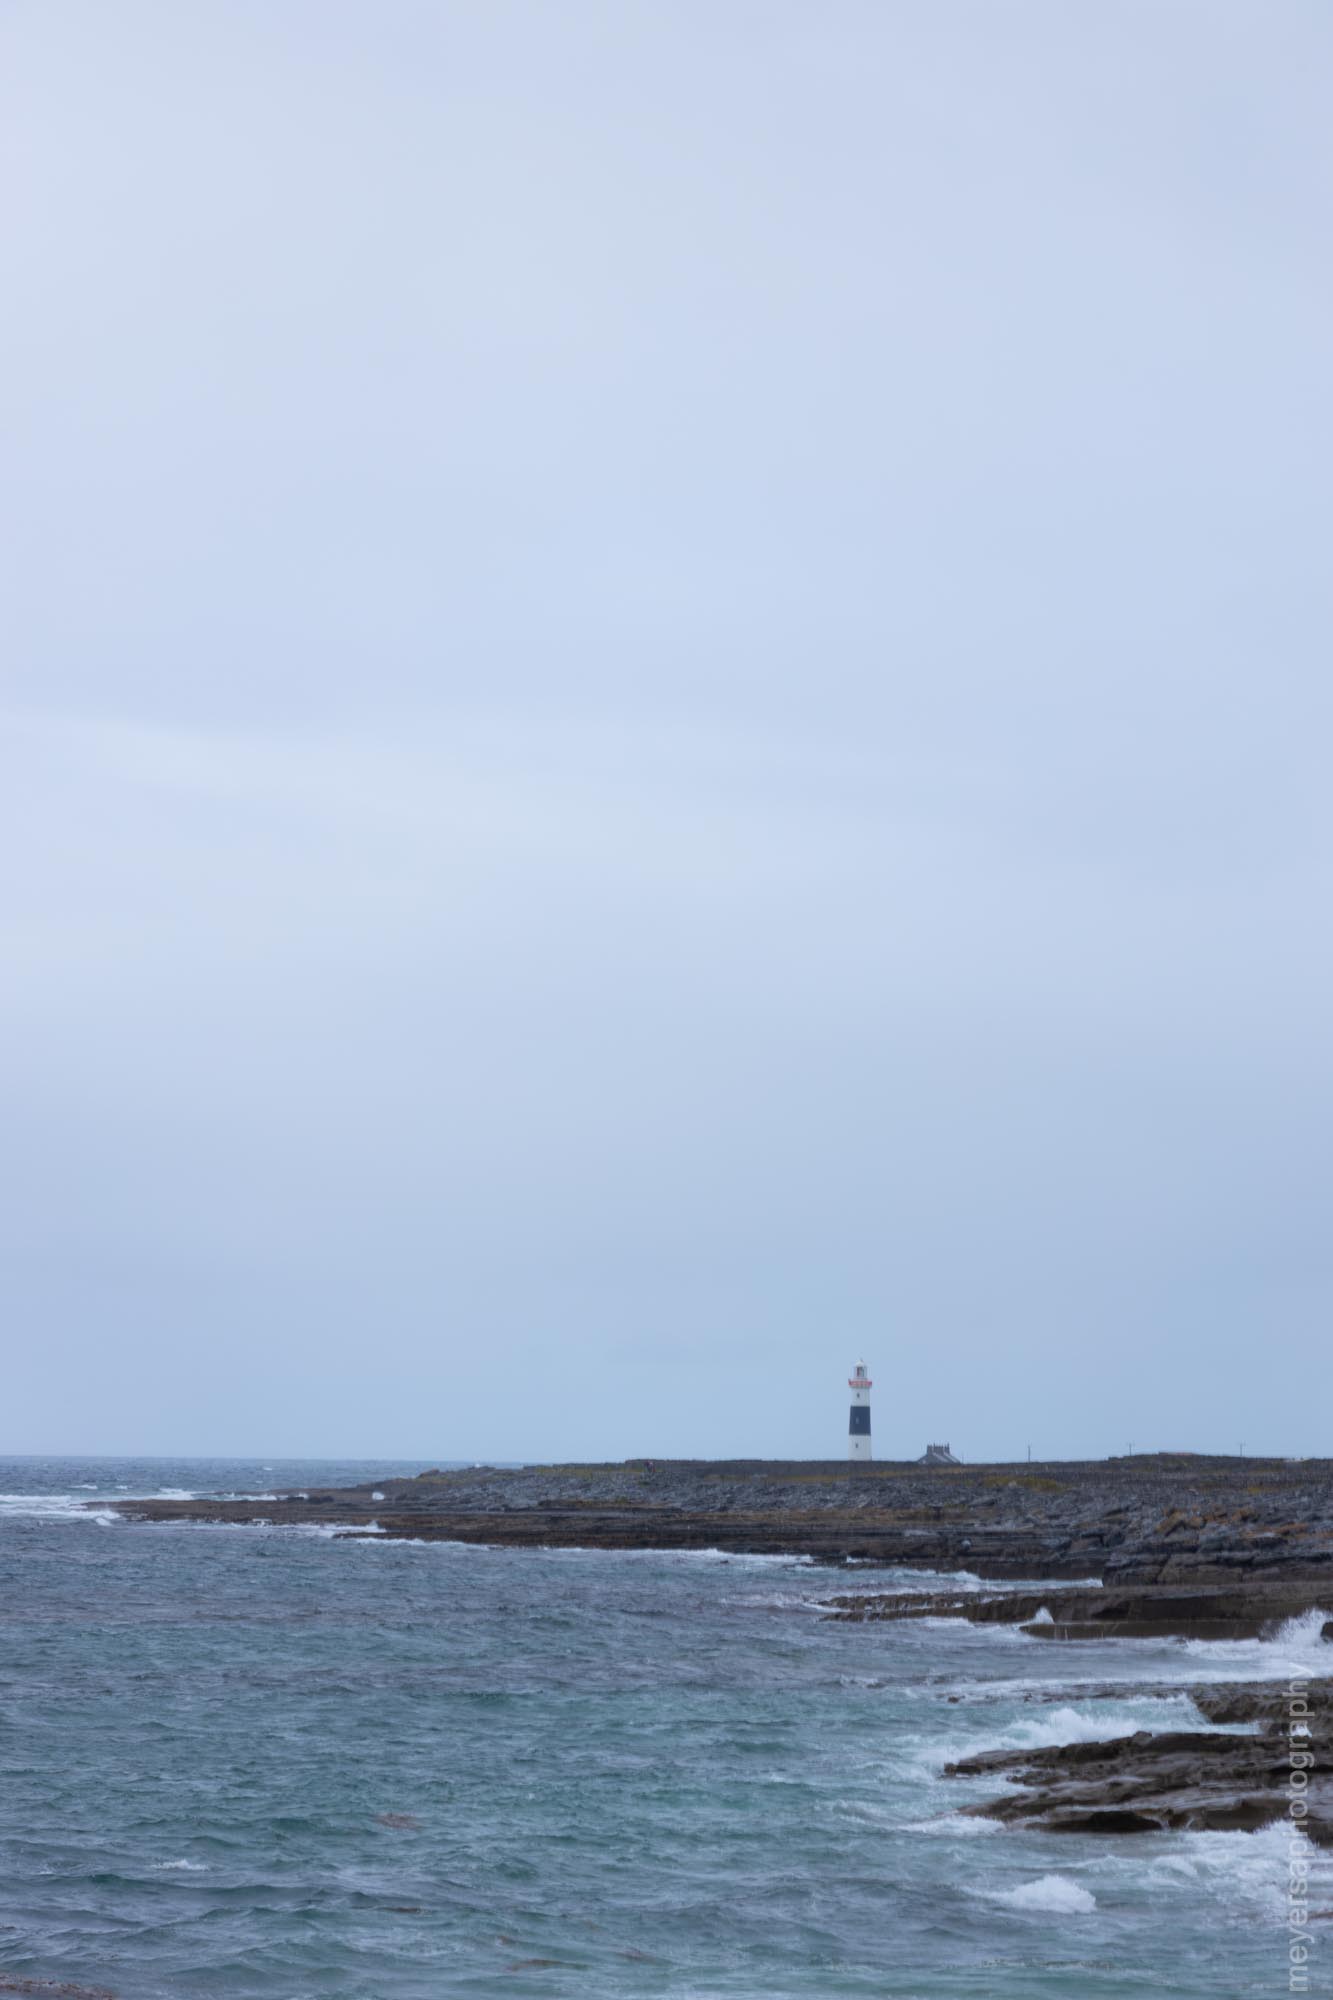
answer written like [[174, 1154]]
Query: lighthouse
[[858, 1429]]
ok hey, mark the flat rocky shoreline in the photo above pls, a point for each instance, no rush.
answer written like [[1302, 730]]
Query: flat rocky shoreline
[[1153, 1546], [1136, 1521]]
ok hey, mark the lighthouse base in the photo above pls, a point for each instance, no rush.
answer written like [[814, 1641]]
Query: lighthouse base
[[858, 1447]]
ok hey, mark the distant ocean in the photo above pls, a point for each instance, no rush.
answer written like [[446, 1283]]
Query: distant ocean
[[264, 1762]]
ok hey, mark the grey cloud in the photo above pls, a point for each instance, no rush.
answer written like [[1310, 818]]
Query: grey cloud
[[665, 722]]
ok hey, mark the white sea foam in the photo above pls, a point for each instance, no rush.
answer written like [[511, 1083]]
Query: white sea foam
[[1098, 1723], [1296, 1648], [997, 1635], [322, 1531], [175, 1493], [1246, 1872], [742, 1558], [1055, 1893], [318, 1531], [1050, 1727], [739, 1558], [431, 1542], [181, 1867], [786, 1600], [446, 1542], [53, 1507], [956, 1826], [1043, 1687], [895, 1581]]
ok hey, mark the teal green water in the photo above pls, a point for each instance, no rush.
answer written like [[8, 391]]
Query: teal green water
[[267, 1762]]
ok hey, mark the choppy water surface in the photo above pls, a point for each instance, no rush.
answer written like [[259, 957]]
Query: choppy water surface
[[268, 1762]]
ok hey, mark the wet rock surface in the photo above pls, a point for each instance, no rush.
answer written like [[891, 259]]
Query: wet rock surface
[[1201, 1780], [1152, 1611]]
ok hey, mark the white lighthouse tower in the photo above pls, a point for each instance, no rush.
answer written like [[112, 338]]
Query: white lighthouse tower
[[858, 1429]]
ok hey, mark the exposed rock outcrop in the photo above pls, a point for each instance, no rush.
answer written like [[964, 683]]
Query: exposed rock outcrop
[[1149, 1612], [1170, 1522], [1180, 1778]]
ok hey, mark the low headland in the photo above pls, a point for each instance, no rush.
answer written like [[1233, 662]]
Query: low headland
[[1145, 1547]]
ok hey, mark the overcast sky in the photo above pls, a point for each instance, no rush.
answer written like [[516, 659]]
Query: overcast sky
[[666, 722]]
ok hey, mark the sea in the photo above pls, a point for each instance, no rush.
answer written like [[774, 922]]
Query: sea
[[274, 1762]]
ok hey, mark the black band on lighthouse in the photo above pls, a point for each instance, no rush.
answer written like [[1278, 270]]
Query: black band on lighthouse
[[860, 1423]]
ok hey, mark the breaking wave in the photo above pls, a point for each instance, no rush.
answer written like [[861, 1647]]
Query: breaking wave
[[1054, 1893]]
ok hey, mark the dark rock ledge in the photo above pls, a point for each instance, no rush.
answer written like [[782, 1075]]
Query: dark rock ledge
[[1150, 1611], [1180, 1778]]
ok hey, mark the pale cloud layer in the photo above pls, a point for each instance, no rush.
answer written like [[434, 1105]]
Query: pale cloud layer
[[666, 722]]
